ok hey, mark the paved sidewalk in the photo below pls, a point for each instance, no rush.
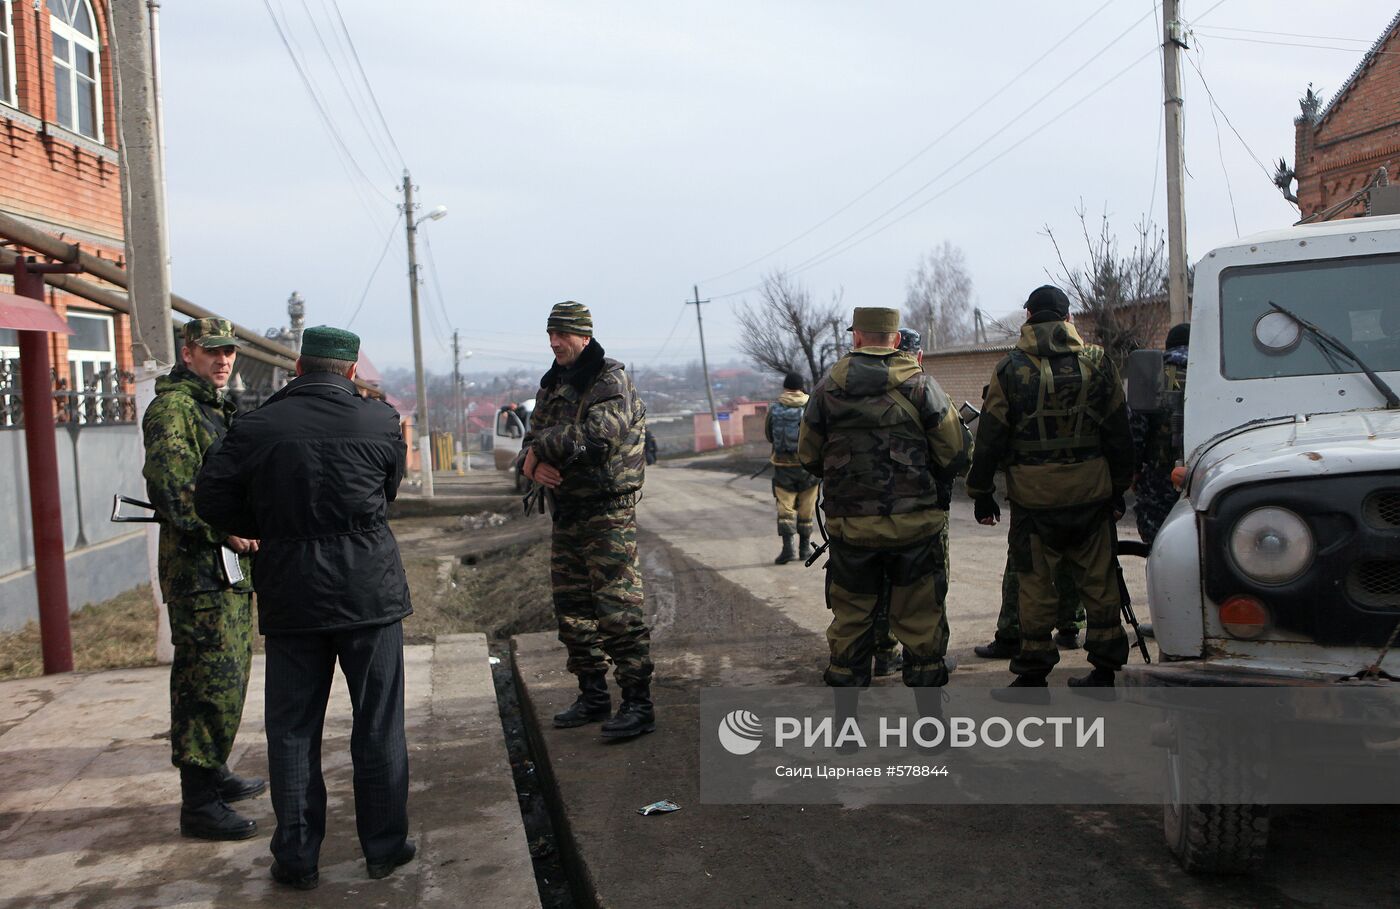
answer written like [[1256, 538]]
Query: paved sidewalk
[[89, 811]]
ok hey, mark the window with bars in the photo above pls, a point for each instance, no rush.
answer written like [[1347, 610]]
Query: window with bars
[[76, 74]]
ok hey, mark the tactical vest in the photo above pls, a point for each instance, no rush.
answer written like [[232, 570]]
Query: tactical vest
[[1057, 422], [876, 457], [786, 422]]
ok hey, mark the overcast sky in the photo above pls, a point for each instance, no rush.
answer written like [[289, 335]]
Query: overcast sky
[[618, 153]]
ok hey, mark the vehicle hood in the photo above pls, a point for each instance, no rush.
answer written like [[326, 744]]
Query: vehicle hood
[[1359, 441]]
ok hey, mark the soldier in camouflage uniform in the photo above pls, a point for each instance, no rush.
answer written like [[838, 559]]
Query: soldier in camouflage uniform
[[1054, 418], [794, 489], [211, 620], [887, 444], [1069, 616], [1158, 446], [585, 448]]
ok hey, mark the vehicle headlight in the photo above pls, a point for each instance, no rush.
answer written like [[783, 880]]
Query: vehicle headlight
[[1271, 545]]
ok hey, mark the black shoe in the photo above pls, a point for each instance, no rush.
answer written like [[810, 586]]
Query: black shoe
[[635, 717], [1067, 640], [804, 548], [1099, 678], [379, 870], [998, 649], [234, 788], [204, 815], [788, 553], [286, 878], [1025, 689], [593, 702], [887, 662], [1029, 681]]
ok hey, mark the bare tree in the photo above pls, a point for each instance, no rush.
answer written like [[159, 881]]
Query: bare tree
[[786, 332], [938, 297], [1120, 299]]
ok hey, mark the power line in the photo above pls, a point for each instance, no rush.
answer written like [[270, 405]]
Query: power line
[[1220, 150], [1213, 8], [370, 88], [368, 284], [1257, 31], [1349, 50], [1216, 106], [818, 257], [1157, 153], [669, 335], [1052, 48], [437, 282], [325, 116]]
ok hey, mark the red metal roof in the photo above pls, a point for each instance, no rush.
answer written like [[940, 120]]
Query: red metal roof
[[26, 314]]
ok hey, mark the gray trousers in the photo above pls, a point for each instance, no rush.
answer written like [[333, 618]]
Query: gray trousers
[[300, 669]]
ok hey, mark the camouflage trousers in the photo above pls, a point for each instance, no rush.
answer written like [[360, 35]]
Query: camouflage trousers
[[913, 581], [213, 638], [795, 510], [1081, 540], [1069, 614], [885, 642], [597, 583], [1155, 497]]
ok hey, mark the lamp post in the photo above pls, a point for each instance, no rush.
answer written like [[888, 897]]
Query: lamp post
[[425, 450]]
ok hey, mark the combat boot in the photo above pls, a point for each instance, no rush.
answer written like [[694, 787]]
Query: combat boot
[[998, 649], [1099, 678], [888, 661], [789, 553], [634, 717], [804, 551], [234, 788], [593, 702], [1067, 640], [204, 814]]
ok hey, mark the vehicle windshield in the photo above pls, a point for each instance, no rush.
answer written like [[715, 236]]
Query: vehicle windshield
[[1356, 299]]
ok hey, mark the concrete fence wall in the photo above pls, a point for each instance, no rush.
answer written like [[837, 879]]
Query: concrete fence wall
[[104, 559]]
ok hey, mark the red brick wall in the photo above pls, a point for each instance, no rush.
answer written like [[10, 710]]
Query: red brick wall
[[1359, 132], [962, 373], [71, 184]]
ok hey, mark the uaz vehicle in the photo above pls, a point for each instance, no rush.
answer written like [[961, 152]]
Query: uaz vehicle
[[1280, 564]]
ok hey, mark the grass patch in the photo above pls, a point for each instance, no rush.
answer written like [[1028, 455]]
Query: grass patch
[[501, 593], [116, 634]]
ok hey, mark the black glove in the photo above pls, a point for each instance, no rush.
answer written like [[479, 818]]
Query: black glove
[[985, 507], [1119, 507]]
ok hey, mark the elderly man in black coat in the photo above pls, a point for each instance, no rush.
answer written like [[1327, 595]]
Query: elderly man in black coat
[[310, 474]]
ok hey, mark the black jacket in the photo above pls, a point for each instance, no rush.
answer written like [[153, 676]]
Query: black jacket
[[310, 474]]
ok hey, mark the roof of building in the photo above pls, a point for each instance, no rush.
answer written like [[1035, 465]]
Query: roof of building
[[1366, 61]]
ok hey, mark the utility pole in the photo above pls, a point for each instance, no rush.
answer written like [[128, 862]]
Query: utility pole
[[705, 365], [1173, 43], [143, 213], [425, 448], [461, 420]]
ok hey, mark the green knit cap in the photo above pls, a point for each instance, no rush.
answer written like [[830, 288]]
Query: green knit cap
[[330, 343], [571, 318]]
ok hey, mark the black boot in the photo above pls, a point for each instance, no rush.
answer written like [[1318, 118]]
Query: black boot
[[998, 649], [593, 702], [204, 814], [788, 553], [804, 550], [1099, 678], [234, 788], [635, 716], [1067, 640]]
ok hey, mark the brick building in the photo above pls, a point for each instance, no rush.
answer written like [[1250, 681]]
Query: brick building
[[1340, 147], [59, 167]]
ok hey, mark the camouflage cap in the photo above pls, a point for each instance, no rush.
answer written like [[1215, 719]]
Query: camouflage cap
[[875, 319], [210, 333], [330, 343], [571, 318], [910, 340]]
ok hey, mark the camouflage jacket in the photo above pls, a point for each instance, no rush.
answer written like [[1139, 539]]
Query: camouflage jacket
[[186, 417], [1055, 420], [883, 436], [590, 423]]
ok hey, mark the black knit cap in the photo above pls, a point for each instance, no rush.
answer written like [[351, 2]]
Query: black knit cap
[[1048, 298], [793, 381], [1179, 336]]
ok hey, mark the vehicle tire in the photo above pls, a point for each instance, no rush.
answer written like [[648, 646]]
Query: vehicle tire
[[1225, 837]]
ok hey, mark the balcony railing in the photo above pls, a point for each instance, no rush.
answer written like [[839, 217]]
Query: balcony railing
[[99, 402]]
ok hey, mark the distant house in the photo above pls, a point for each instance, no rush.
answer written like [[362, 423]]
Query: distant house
[[1340, 148]]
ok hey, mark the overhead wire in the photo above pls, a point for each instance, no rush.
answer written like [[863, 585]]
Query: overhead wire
[[1259, 31], [1215, 105], [669, 335], [1220, 150], [370, 282], [978, 108], [374, 100], [1349, 50], [985, 142]]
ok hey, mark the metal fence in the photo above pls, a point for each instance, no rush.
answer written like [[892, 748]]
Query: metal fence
[[100, 400]]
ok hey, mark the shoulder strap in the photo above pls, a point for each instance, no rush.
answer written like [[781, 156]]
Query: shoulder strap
[[904, 404]]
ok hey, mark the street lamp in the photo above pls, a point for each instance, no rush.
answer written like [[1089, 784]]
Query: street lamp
[[425, 451]]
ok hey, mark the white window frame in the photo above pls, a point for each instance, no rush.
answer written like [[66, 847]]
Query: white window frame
[[8, 88], [93, 45], [99, 360]]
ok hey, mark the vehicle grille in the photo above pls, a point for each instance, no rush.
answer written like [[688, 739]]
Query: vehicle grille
[[1381, 509], [1375, 583]]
